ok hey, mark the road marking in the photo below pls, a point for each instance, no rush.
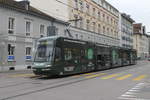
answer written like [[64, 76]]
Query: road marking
[[125, 98], [133, 93], [132, 98], [76, 76], [87, 74], [140, 78], [126, 95], [133, 90], [110, 76], [96, 75], [23, 75], [124, 77]]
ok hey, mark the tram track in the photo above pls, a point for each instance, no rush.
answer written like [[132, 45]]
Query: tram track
[[48, 86], [16, 84], [40, 80], [43, 84]]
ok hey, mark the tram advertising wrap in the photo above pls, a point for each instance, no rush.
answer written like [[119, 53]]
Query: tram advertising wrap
[[63, 56]]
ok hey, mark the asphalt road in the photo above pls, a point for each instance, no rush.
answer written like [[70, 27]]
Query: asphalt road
[[125, 83]]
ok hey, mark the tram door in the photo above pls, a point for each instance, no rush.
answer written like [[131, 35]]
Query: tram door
[[103, 58]]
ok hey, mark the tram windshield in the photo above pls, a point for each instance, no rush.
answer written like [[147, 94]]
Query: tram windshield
[[44, 51]]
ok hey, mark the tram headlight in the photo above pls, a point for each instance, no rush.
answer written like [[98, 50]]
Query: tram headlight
[[48, 65], [34, 69]]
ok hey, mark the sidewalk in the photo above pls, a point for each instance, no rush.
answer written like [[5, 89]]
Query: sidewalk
[[23, 68], [8, 69], [15, 71]]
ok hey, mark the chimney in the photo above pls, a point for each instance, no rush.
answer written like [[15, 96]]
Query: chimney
[[25, 4]]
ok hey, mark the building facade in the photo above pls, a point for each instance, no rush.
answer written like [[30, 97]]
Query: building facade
[[126, 31], [141, 41], [90, 20], [149, 45], [21, 25]]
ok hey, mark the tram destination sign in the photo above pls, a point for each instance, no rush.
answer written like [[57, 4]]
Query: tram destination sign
[[73, 41]]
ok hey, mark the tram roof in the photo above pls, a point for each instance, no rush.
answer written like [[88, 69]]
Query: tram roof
[[98, 44], [49, 38]]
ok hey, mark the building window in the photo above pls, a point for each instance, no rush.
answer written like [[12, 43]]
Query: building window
[[28, 28], [76, 36], [81, 5], [76, 4], [99, 28], [88, 8], [111, 21], [103, 17], [28, 50], [42, 29], [11, 49], [11, 25], [87, 24], [81, 36], [81, 22], [103, 29], [93, 26], [99, 16], [107, 30], [94, 12], [108, 19], [76, 21]]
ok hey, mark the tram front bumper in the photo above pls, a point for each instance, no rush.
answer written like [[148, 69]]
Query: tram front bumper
[[44, 71]]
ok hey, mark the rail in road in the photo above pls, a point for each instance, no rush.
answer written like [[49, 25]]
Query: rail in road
[[42, 86], [27, 84]]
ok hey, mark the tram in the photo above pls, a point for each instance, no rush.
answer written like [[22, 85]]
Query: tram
[[63, 56]]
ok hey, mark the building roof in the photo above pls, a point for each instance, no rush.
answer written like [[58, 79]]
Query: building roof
[[138, 28], [127, 17], [21, 7], [107, 4]]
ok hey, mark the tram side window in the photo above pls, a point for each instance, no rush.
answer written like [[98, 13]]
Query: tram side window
[[76, 53], [83, 54], [67, 54], [57, 54]]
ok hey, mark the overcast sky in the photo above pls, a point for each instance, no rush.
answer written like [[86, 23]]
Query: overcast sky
[[138, 9]]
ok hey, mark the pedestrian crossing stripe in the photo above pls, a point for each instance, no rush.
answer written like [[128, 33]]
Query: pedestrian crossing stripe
[[92, 75], [124, 77], [110, 76], [87, 74], [140, 77], [23, 75], [96, 75]]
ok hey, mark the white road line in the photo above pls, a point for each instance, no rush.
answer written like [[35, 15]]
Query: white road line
[[125, 95], [136, 88], [125, 98], [133, 90], [140, 84], [130, 93]]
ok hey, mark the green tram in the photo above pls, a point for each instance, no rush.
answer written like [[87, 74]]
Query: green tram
[[63, 56]]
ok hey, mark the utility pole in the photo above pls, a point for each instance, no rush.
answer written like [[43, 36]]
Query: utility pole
[[68, 28]]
